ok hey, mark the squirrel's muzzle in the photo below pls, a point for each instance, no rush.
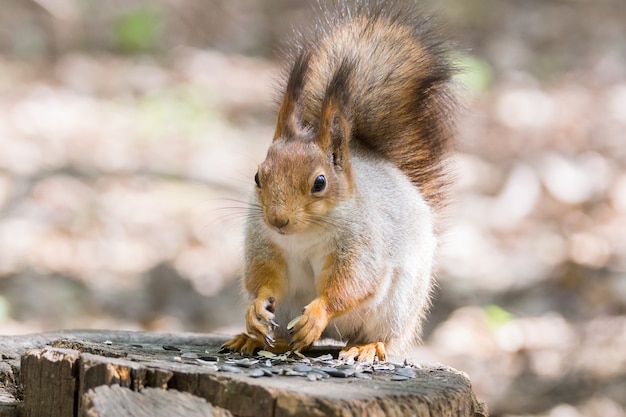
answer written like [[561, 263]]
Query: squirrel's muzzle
[[278, 221]]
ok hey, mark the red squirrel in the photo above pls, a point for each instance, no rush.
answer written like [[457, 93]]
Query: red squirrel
[[341, 231]]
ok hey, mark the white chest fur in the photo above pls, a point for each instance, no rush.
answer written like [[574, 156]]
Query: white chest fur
[[305, 255]]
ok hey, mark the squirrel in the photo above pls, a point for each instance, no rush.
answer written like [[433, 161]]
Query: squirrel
[[341, 233]]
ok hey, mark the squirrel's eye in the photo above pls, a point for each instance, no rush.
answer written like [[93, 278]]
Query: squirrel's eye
[[256, 179], [319, 184]]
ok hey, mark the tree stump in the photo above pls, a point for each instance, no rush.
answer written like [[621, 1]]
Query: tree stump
[[114, 374]]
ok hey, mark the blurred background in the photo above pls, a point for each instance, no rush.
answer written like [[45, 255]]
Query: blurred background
[[130, 133]]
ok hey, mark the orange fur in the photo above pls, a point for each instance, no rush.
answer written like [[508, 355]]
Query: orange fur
[[341, 289], [265, 277]]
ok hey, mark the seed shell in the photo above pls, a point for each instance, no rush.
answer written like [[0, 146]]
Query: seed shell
[[172, 348], [189, 355], [293, 322], [302, 368], [256, 373], [408, 372], [230, 368], [266, 354]]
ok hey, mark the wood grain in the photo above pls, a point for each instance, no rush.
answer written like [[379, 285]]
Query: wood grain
[[63, 374], [117, 401]]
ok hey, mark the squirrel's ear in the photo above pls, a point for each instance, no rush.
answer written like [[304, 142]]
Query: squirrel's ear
[[334, 131], [335, 126], [289, 122]]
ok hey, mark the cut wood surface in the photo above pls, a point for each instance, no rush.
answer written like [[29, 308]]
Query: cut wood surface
[[114, 400], [159, 374]]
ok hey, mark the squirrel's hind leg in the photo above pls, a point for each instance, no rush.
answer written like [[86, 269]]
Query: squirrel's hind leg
[[364, 353], [248, 345]]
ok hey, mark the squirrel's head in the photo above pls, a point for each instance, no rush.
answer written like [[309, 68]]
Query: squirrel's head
[[307, 170]]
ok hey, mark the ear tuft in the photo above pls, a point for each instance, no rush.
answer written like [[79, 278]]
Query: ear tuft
[[289, 116], [335, 128]]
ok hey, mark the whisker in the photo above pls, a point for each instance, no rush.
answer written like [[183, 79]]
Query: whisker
[[321, 223], [239, 213]]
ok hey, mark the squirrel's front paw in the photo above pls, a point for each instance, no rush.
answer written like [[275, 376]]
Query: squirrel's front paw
[[310, 325], [260, 319], [243, 343]]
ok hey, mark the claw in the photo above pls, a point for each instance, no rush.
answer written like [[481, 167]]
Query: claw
[[269, 340], [273, 323]]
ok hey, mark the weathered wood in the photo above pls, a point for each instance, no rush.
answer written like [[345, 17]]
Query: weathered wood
[[9, 385], [139, 362], [8, 404], [49, 374], [97, 371], [116, 401]]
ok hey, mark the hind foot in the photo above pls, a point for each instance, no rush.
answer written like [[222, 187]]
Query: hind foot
[[366, 353]]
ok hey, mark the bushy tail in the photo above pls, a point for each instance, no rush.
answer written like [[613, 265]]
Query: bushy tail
[[398, 85]]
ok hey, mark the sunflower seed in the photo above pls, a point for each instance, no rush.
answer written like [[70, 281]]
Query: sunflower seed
[[246, 362], [293, 322], [302, 368], [327, 357], [230, 368], [256, 373], [362, 375], [313, 377], [339, 373], [408, 372], [189, 355], [399, 378], [320, 373], [172, 348], [383, 367], [208, 364], [290, 372], [301, 356], [266, 354], [274, 371]]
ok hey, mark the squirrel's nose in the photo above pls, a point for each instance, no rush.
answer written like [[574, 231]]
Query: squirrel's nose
[[278, 221]]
